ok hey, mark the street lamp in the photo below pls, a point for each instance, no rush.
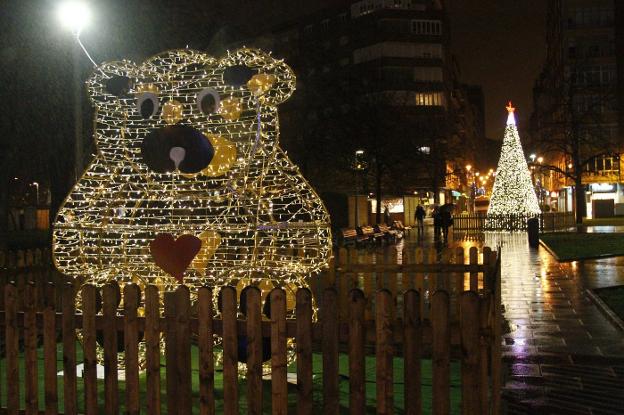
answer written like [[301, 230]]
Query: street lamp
[[359, 166], [470, 182], [37, 187], [75, 15]]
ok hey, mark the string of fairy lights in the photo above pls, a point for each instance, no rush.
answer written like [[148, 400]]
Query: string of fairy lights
[[258, 219], [513, 192]]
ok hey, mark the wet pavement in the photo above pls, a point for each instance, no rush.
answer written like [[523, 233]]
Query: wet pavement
[[561, 355]]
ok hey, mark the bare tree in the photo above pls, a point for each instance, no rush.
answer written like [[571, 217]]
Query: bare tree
[[571, 126]]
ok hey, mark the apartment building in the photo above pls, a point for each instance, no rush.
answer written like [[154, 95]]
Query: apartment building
[[580, 91]]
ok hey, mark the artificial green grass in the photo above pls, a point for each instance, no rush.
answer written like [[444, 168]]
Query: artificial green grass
[[570, 246], [614, 221], [455, 391], [614, 298]]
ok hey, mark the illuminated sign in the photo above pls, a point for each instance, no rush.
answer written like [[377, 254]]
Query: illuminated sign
[[603, 187]]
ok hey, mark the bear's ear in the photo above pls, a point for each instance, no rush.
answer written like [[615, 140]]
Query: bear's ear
[[111, 81], [269, 79]]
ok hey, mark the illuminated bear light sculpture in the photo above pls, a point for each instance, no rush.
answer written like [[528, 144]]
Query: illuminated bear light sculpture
[[189, 184]]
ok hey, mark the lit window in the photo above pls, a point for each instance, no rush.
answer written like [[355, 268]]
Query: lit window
[[430, 99]]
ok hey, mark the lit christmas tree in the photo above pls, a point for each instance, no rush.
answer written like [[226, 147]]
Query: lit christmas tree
[[513, 191]]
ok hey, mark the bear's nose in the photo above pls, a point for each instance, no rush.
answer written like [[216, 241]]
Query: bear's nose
[[176, 147]]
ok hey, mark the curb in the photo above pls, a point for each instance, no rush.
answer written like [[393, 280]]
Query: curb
[[550, 251], [604, 308]]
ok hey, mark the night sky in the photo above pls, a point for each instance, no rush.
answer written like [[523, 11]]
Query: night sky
[[500, 44]]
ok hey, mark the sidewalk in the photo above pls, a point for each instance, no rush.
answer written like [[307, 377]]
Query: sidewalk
[[562, 355]]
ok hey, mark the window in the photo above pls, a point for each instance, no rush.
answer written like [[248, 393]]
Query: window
[[343, 40], [596, 75], [325, 25], [603, 165], [344, 62], [427, 27], [342, 18], [365, 7], [590, 16], [308, 29], [398, 50], [428, 74], [430, 99]]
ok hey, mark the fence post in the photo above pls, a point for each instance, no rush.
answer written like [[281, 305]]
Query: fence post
[[49, 352], [469, 329], [342, 283], [441, 352], [460, 276], [496, 347], [69, 350], [89, 349], [254, 349], [30, 350], [230, 351], [485, 303], [111, 301], [412, 349], [132, 298], [152, 349], [474, 276], [329, 345], [11, 346], [357, 382], [206, 356], [279, 384], [383, 352], [304, 352], [183, 338], [487, 274]]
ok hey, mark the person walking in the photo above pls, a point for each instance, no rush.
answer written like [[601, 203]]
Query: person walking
[[387, 215], [419, 215], [446, 221], [437, 223]]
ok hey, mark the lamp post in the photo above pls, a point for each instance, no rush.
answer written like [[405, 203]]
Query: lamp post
[[358, 166], [470, 182], [37, 190], [74, 15]]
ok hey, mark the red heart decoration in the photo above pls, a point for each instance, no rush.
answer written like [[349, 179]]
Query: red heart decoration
[[174, 255]]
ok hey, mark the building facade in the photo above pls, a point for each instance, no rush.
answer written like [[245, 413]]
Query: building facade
[[578, 120], [376, 76]]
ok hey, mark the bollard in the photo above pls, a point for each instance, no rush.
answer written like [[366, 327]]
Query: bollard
[[533, 231]]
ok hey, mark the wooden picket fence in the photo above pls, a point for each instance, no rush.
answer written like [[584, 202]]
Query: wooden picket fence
[[412, 316], [23, 258], [480, 222]]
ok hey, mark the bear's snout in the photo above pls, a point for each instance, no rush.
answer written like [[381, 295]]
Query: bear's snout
[[180, 146]]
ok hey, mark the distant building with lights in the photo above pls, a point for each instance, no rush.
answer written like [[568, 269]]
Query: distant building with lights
[[585, 40], [402, 49]]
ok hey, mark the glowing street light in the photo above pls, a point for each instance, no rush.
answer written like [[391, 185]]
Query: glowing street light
[[540, 159], [532, 157], [37, 187], [468, 167], [74, 15]]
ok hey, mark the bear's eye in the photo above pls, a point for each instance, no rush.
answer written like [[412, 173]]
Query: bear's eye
[[147, 104], [208, 101]]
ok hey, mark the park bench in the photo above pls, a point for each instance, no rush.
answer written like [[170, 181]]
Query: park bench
[[370, 232], [351, 236], [391, 235]]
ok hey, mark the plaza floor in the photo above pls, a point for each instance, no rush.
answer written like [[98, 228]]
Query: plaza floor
[[562, 356]]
